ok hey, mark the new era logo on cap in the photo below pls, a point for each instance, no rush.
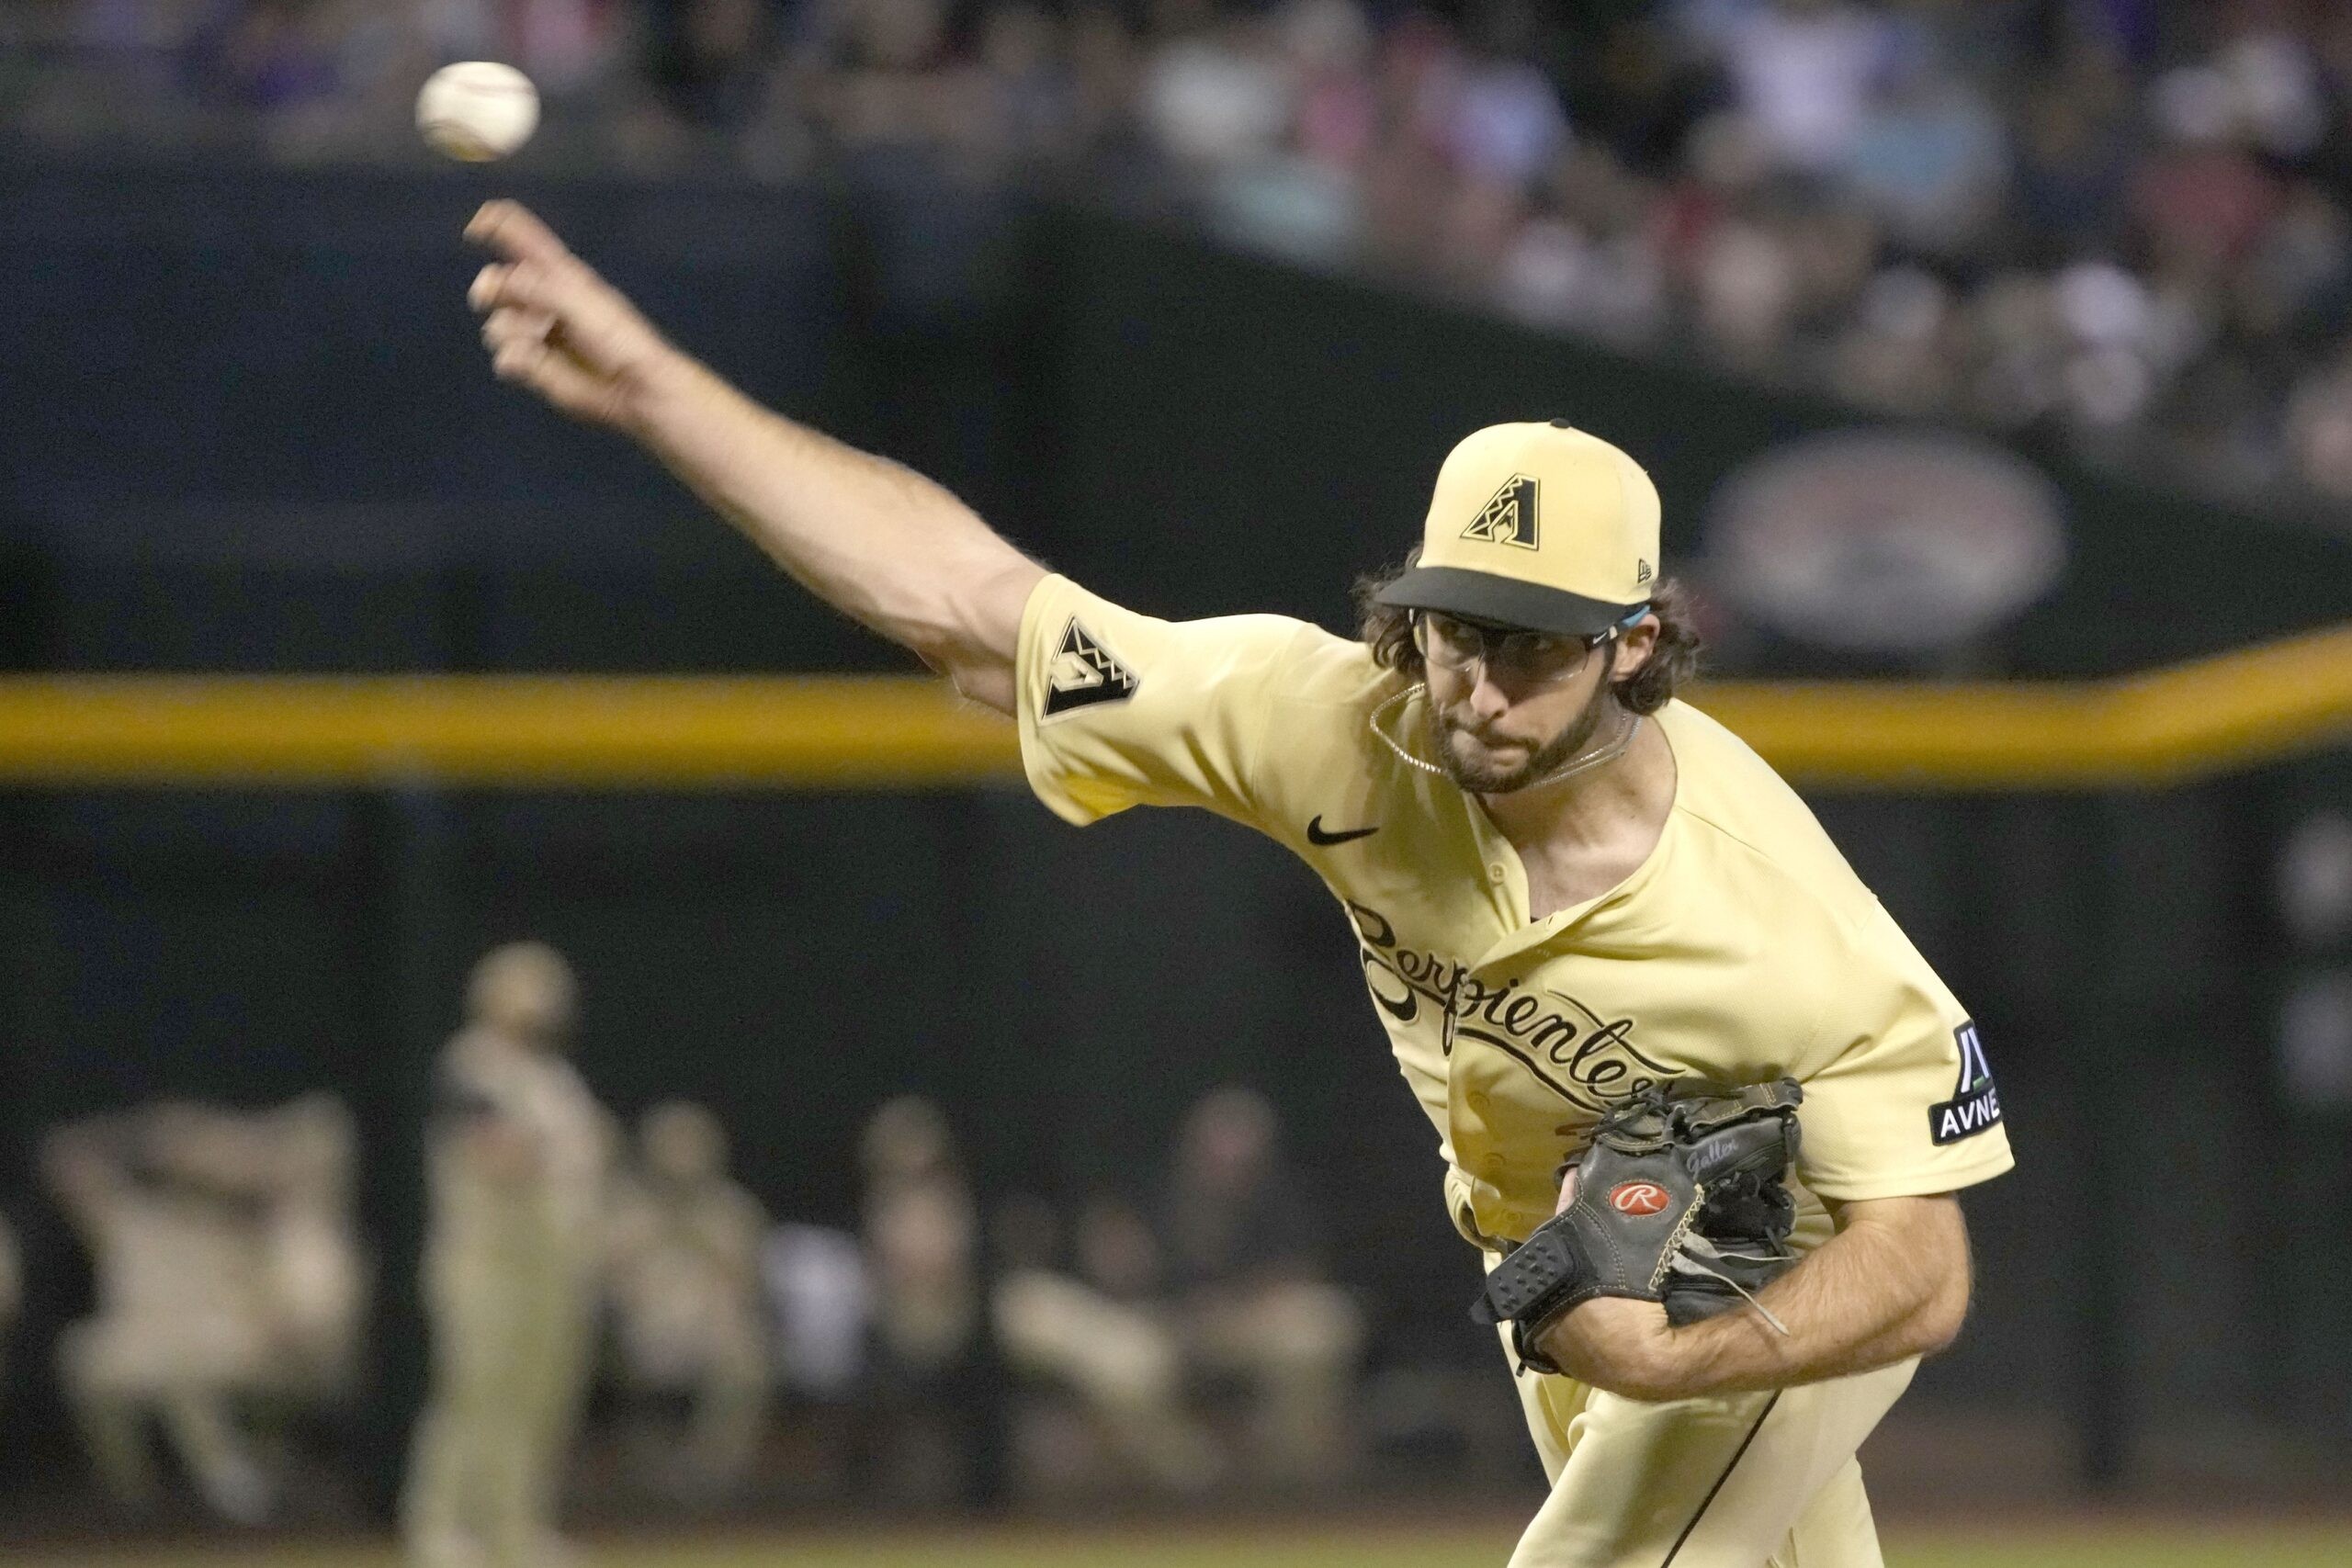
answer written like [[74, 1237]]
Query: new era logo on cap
[[1509, 516]]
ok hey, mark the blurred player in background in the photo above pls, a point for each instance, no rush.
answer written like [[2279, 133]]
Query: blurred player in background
[[517, 1159], [231, 1284], [1226, 1293], [1567, 886], [1097, 1331], [1247, 1294], [921, 1236], [921, 1229], [317, 1268], [688, 1312]]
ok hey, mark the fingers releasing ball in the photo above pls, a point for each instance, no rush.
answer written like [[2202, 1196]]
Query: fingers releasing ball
[[477, 110]]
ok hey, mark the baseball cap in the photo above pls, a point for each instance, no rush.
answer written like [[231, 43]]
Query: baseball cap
[[1540, 526]]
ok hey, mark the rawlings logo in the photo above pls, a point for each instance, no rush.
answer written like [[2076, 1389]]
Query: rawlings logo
[[1638, 1198]]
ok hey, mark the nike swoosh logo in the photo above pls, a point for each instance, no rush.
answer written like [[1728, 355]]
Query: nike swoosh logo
[[1316, 835]]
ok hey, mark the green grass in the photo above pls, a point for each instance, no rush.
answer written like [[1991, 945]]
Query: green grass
[[2015, 1545]]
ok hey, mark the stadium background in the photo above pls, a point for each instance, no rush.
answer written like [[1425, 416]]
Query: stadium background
[[249, 433]]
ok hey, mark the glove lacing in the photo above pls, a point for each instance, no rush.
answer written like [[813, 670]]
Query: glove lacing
[[1686, 1258]]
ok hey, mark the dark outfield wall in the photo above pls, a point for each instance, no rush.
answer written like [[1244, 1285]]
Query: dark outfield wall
[[248, 428]]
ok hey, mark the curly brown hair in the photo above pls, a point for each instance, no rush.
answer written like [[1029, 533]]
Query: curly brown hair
[[1387, 631]]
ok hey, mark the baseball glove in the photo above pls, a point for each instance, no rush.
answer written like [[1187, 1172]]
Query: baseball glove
[[1679, 1199]]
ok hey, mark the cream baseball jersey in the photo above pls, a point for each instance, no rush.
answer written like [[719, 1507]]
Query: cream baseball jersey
[[553, 1214], [1743, 949]]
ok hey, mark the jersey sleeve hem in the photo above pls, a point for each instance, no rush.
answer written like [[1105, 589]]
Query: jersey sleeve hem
[[1035, 765]]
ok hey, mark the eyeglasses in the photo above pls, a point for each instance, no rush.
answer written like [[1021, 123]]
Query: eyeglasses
[[1518, 658]]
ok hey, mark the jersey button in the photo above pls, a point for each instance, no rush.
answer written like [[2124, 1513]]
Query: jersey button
[[1495, 873], [1479, 1103]]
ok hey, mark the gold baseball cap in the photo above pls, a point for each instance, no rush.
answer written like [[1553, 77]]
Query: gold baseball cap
[[1538, 526]]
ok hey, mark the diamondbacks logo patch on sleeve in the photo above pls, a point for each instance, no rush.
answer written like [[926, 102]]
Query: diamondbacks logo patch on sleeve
[[1085, 673], [1974, 1104], [1510, 517]]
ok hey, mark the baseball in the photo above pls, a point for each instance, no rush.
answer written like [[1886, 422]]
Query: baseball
[[477, 110]]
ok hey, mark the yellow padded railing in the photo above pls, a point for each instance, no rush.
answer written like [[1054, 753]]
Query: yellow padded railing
[[2228, 711]]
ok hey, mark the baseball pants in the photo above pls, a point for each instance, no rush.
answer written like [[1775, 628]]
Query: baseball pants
[[1744, 1481], [509, 1366]]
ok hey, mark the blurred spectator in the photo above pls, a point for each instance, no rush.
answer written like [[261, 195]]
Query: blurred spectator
[[2072, 149], [1226, 1299], [179, 1326], [684, 1285], [1096, 1334], [687, 1300], [1504, 126], [1927, 158], [1801, 71], [517, 1166], [1105, 73], [1745, 288], [1245, 1273], [563, 46], [877, 75], [710, 58], [1897, 354], [2202, 199], [820, 1299], [2319, 427], [1331, 44], [1583, 260], [1871, 196], [932, 1382], [1024, 96], [230, 1284], [305, 1155], [820, 1304], [1218, 91], [283, 54], [920, 1234]]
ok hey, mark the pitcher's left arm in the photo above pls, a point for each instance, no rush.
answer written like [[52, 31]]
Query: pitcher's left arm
[[1892, 1283]]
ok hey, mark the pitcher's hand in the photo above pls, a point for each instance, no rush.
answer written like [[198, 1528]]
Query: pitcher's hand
[[552, 325]]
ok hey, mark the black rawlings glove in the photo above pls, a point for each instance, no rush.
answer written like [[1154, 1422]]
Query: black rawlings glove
[[1679, 1199]]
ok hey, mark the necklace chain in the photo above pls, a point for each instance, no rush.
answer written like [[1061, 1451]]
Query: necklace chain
[[1608, 752]]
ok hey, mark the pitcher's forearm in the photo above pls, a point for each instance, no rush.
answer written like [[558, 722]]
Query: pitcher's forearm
[[872, 537], [1892, 1283], [1873, 1295]]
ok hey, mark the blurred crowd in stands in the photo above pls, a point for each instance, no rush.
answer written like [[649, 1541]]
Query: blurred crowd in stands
[[2119, 222]]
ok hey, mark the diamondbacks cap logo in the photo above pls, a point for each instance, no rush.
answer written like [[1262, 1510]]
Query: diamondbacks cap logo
[[1638, 1198], [1974, 1104], [1510, 517], [1084, 672]]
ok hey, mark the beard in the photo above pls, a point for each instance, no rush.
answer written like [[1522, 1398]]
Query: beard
[[1546, 760]]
